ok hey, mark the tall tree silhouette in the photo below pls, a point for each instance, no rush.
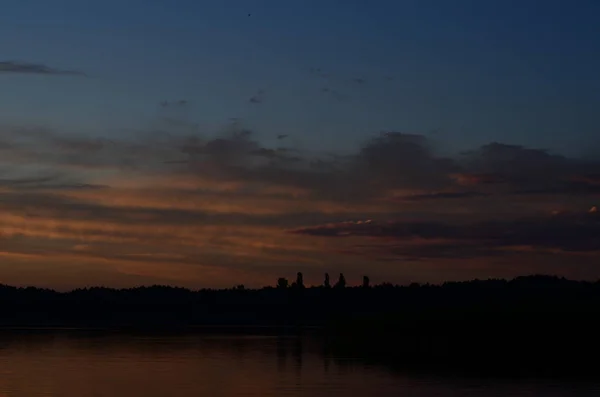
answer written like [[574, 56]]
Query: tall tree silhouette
[[341, 281], [299, 280], [326, 283], [366, 282]]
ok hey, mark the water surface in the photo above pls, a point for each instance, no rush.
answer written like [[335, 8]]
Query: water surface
[[72, 363]]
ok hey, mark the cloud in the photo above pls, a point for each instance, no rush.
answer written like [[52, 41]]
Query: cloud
[[567, 232], [522, 168], [445, 195], [224, 203], [398, 230], [391, 166], [407, 159], [34, 68], [387, 170], [468, 179], [394, 166], [259, 97]]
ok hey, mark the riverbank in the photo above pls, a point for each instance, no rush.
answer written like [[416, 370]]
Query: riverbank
[[529, 326]]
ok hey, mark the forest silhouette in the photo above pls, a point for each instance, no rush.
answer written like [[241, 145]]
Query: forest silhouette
[[541, 325]]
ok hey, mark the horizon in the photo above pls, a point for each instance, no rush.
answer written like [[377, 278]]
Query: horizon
[[225, 143], [291, 286]]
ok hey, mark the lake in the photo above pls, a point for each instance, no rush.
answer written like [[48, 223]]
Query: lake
[[78, 363]]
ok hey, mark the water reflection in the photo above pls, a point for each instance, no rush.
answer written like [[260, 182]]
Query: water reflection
[[100, 364]]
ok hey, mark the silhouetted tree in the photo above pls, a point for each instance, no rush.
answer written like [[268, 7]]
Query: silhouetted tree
[[299, 280], [341, 281], [282, 282], [326, 283], [366, 281]]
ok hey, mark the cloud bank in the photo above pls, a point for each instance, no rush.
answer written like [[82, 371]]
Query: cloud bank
[[223, 209]]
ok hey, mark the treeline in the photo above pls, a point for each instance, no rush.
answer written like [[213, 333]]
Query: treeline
[[528, 325], [384, 305]]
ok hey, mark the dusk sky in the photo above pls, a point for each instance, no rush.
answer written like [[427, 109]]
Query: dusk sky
[[214, 143]]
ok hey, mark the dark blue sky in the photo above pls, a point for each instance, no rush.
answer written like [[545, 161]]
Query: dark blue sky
[[522, 72]]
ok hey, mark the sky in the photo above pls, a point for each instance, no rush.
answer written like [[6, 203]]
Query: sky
[[216, 143]]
